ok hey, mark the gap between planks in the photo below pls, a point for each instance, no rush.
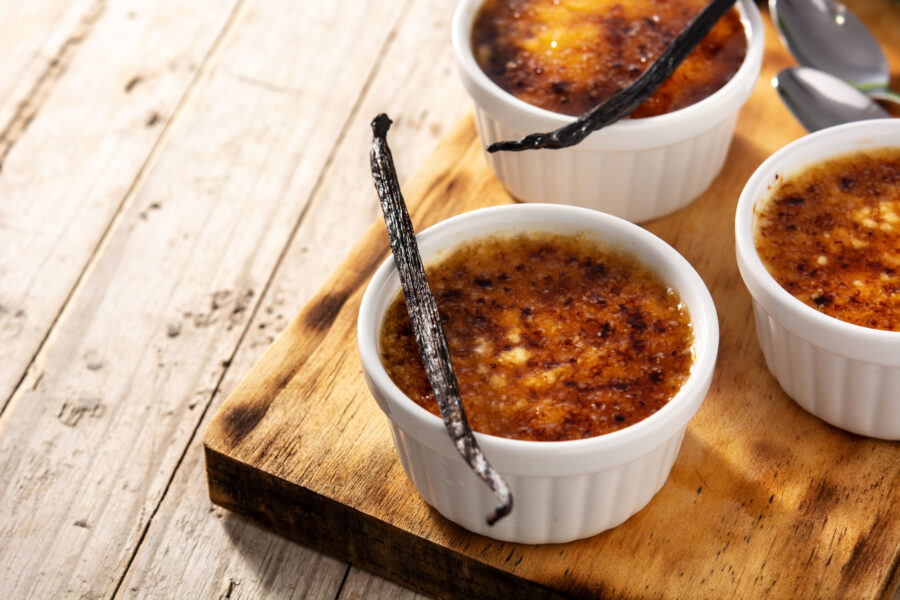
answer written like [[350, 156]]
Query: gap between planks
[[27, 109], [31, 105], [415, 133], [314, 193], [329, 160], [131, 192], [346, 576]]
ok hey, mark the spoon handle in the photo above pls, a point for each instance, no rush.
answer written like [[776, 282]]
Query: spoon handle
[[886, 94]]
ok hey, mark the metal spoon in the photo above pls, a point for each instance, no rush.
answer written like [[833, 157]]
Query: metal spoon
[[820, 100], [824, 35]]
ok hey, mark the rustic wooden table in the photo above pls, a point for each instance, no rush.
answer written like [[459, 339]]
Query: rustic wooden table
[[176, 180]]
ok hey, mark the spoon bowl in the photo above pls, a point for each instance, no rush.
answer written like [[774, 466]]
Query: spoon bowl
[[819, 100], [825, 35]]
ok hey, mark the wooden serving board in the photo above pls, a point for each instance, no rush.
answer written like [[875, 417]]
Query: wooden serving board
[[764, 499]]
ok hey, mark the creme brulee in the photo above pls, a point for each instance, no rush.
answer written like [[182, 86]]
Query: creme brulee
[[552, 337], [830, 235], [568, 56]]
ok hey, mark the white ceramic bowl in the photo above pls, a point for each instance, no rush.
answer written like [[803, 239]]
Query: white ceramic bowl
[[636, 169], [562, 490], [845, 374]]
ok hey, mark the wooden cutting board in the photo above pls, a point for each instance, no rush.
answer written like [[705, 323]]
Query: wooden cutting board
[[764, 499]]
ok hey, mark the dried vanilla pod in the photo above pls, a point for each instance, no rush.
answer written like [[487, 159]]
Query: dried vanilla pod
[[425, 320]]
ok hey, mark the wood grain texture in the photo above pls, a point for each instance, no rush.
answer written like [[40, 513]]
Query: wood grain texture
[[91, 444], [39, 40], [93, 124], [196, 550], [361, 585], [191, 552], [764, 499]]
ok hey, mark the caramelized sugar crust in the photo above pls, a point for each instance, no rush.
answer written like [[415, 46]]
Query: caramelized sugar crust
[[552, 337], [830, 235], [568, 56]]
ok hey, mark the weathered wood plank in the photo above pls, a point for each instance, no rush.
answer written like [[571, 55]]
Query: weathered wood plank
[[207, 552], [89, 447], [38, 40], [764, 499], [417, 84], [67, 176], [339, 527], [362, 585]]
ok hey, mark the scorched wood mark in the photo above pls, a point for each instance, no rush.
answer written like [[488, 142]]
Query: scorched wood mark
[[875, 542], [239, 421], [446, 184], [320, 315]]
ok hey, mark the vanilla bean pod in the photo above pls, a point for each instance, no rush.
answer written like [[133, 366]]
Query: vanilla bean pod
[[425, 320], [624, 102]]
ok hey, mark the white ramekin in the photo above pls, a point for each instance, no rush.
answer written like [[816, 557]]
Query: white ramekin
[[636, 169], [845, 374], [562, 491]]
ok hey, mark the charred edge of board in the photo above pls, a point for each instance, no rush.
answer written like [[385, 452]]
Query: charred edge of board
[[319, 316], [238, 421], [626, 101], [423, 314]]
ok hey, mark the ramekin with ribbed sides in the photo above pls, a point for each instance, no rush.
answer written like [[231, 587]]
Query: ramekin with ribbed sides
[[845, 374], [562, 490], [637, 169]]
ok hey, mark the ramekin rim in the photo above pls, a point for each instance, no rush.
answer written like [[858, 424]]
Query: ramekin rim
[[688, 398], [749, 69], [756, 277]]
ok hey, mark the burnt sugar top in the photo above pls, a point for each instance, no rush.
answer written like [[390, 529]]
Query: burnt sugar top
[[552, 337], [830, 235], [568, 56]]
